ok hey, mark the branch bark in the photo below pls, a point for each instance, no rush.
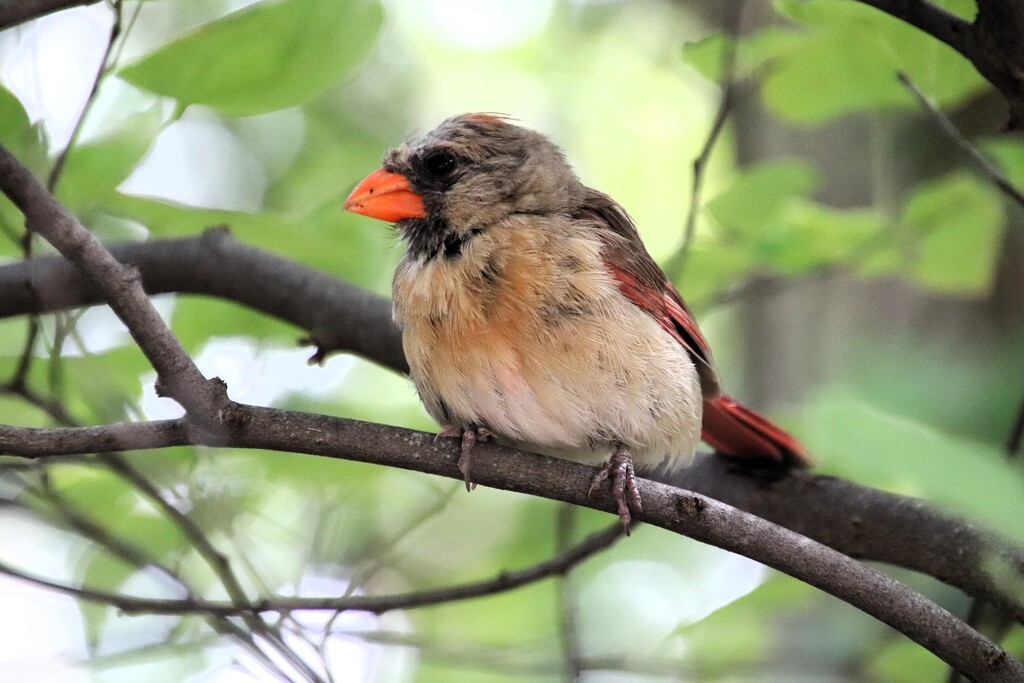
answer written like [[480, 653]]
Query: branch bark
[[680, 511], [375, 604], [337, 316], [214, 420], [841, 514], [993, 43], [14, 12]]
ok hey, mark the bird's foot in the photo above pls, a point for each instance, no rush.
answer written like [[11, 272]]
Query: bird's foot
[[469, 437], [619, 469]]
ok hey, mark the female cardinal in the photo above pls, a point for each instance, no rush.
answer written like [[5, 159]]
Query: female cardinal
[[530, 310]]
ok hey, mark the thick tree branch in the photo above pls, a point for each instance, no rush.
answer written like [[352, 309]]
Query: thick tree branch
[[933, 20], [14, 12], [994, 43], [249, 427], [680, 511], [843, 515], [338, 316]]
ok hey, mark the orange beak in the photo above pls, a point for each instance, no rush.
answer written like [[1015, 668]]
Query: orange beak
[[386, 196]]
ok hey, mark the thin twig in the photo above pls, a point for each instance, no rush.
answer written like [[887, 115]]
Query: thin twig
[[178, 376], [565, 525], [381, 552], [19, 379], [503, 582], [53, 409], [676, 263], [58, 165], [139, 559], [984, 164], [216, 560]]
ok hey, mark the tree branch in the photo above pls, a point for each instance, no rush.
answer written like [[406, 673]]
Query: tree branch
[[822, 508], [338, 316], [250, 427], [679, 511], [984, 164], [994, 43], [14, 12], [933, 20], [375, 604]]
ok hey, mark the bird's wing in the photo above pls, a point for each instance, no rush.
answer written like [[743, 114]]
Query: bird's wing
[[729, 426], [641, 281]]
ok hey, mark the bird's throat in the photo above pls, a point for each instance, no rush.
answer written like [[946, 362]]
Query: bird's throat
[[431, 238]]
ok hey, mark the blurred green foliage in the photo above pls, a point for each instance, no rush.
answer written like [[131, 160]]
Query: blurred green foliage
[[315, 90]]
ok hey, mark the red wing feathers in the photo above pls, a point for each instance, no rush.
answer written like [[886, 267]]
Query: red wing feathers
[[641, 281], [667, 308], [729, 427]]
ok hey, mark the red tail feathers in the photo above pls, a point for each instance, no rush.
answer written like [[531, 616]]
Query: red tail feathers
[[734, 430]]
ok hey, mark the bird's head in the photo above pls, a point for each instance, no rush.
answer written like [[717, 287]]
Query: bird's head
[[466, 175]]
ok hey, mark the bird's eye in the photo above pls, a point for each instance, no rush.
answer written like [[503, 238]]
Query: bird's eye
[[440, 164]]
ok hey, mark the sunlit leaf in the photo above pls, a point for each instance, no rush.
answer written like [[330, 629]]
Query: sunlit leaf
[[850, 59], [95, 168], [753, 51], [24, 139], [856, 441], [1008, 153], [814, 235], [956, 223], [26, 142], [741, 632], [712, 267], [753, 203], [268, 56], [903, 661]]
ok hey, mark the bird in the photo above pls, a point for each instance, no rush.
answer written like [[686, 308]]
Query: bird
[[531, 313]]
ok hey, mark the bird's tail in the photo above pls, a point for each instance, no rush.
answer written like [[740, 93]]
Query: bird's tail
[[734, 430]]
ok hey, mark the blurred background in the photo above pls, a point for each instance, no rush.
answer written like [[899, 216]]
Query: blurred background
[[858, 278]]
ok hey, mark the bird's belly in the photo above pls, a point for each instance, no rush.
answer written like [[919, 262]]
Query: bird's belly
[[575, 390]]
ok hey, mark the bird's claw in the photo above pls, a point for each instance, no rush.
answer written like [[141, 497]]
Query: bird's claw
[[619, 469], [469, 437]]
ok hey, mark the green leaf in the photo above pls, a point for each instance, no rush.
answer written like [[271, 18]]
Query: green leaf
[[855, 440], [711, 267], [754, 202], [26, 142], [94, 169], [956, 224], [105, 383], [904, 661], [99, 570], [752, 52], [334, 157], [24, 139], [849, 62], [1009, 156], [741, 633], [814, 235], [265, 57]]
